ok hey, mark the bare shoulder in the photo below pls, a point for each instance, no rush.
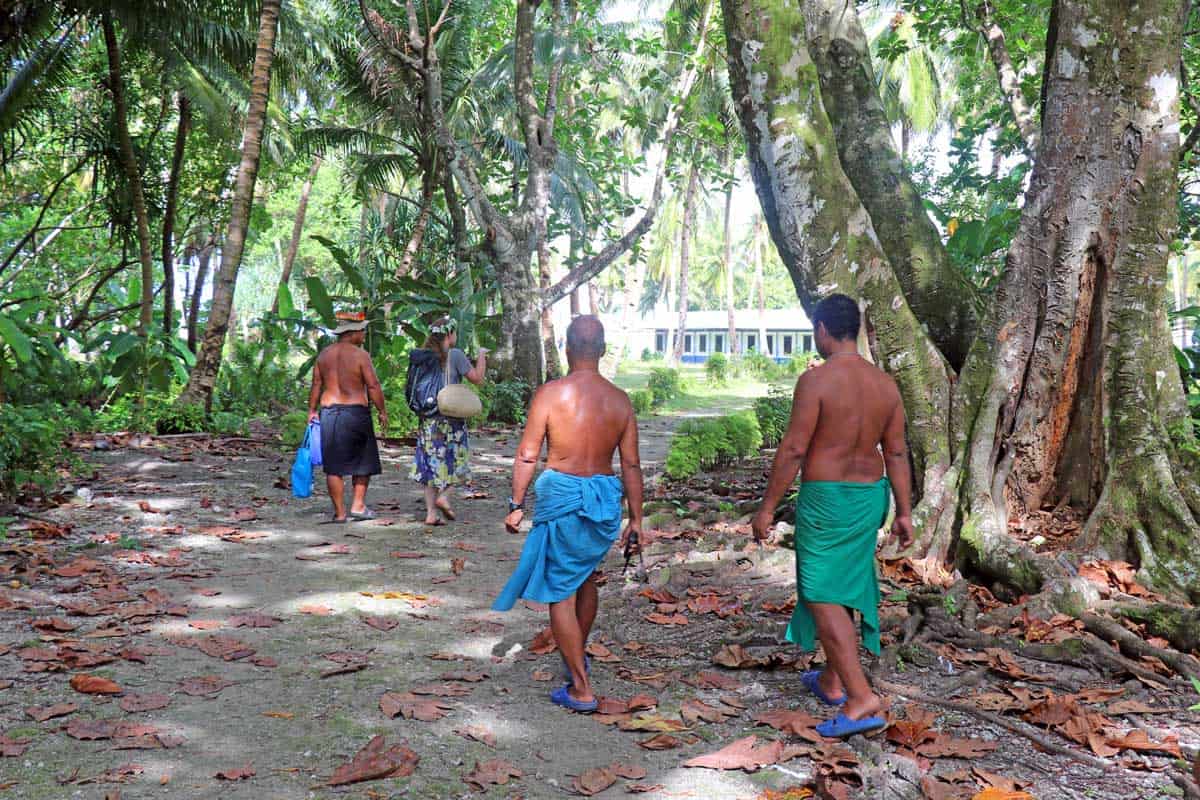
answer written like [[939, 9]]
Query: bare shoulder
[[814, 378], [888, 387]]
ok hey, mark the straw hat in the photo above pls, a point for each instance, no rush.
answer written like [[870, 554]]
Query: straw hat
[[349, 321]]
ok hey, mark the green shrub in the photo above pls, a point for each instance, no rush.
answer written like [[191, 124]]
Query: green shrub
[[153, 412], [650, 355], [643, 401], [717, 369], [772, 413], [759, 364], [706, 443], [505, 401], [664, 384], [800, 363], [291, 427], [744, 433], [32, 445], [167, 417], [227, 422]]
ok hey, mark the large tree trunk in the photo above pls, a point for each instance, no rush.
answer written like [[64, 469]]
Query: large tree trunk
[[823, 234], [133, 172], [417, 237], [168, 231], [933, 285], [1068, 395], [1079, 403], [685, 251], [208, 362], [289, 257], [203, 259]]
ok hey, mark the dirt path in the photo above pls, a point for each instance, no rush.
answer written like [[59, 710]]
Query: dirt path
[[192, 564]]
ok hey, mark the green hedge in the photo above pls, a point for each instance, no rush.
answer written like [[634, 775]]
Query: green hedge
[[643, 401], [665, 384], [706, 443], [717, 369], [32, 445], [773, 413]]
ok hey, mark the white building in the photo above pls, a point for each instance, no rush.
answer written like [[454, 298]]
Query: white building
[[781, 333]]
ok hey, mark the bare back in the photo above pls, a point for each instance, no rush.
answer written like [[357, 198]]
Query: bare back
[[584, 419], [345, 374], [854, 410]]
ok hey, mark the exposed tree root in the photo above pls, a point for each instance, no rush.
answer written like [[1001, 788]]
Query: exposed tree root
[[1180, 625], [1021, 728], [1135, 646]]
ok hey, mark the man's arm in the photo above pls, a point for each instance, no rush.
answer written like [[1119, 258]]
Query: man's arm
[[374, 390], [806, 408], [895, 456], [631, 475], [528, 452], [314, 394], [477, 373]]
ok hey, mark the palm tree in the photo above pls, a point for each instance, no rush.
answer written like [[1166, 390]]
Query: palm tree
[[204, 375]]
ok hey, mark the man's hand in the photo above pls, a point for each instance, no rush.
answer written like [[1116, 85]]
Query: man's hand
[[512, 523], [762, 523], [313, 416], [902, 533], [383, 421], [632, 527]]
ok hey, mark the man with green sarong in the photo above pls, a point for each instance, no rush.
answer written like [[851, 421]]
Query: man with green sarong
[[847, 425]]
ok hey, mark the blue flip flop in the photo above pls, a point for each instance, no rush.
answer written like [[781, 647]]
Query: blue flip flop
[[842, 726], [562, 697], [810, 680], [566, 673]]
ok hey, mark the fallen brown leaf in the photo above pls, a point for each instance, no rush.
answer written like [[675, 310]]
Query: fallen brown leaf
[[376, 760], [745, 754], [491, 773], [478, 733], [594, 781], [134, 703], [662, 741], [94, 684], [43, 713], [203, 685], [410, 706], [236, 774]]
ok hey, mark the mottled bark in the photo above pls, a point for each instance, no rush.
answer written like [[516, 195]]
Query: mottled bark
[[208, 361], [289, 256], [549, 345], [823, 234], [1010, 84], [935, 289], [169, 212], [133, 172], [685, 252], [417, 236]]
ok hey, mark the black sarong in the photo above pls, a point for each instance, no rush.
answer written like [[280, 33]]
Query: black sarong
[[348, 444]]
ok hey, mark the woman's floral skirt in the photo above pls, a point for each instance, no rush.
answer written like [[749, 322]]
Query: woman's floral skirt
[[443, 452]]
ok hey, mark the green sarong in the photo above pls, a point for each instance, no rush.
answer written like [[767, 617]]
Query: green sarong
[[836, 529]]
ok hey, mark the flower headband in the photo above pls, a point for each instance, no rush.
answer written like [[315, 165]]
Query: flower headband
[[446, 327]]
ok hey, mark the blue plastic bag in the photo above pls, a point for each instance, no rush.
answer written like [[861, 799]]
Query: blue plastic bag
[[302, 474], [314, 443]]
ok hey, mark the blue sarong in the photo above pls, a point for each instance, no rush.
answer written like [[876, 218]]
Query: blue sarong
[[575, 523]]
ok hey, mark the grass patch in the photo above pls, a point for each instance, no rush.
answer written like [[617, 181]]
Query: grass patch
[[698, 391]]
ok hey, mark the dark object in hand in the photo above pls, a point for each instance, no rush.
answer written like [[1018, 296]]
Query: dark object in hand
[[634, 546]]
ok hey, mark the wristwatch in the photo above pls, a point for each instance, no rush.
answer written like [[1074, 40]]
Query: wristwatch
[[515, 506]]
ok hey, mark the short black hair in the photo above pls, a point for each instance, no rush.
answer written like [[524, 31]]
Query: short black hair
[[585, 337], [839, 314]]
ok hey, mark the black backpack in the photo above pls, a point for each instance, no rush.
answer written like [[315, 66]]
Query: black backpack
[[425, 380]]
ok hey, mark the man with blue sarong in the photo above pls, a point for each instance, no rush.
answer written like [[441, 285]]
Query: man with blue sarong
[[584, 419], [847, 425]]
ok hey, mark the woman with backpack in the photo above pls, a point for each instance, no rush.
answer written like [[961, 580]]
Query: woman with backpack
[[443, 447]]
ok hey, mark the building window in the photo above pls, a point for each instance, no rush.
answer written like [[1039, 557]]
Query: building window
[[751, 342], [771, 343], [808, 343], [719, 343], [704, 343], [660, 341], [787, 344], [687, 343]]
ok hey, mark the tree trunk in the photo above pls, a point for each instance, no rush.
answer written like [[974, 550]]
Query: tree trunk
[[1068, 394], [203, 258], [133, 172], [575, 312], [823, 234], [727, 256], [168, 232], [289, 257], [685, 247], [549, 345], [932, 284], [208, 362], [1079, 404], [417, 237], [1010, 84]]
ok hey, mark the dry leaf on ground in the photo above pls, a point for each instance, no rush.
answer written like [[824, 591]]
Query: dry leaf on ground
[[134, 703], [594, 781], [94, 684], [236, 774], [491, 773], [412, 707], [747, 754], [43, 713], [478, 733], [376, 760]]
